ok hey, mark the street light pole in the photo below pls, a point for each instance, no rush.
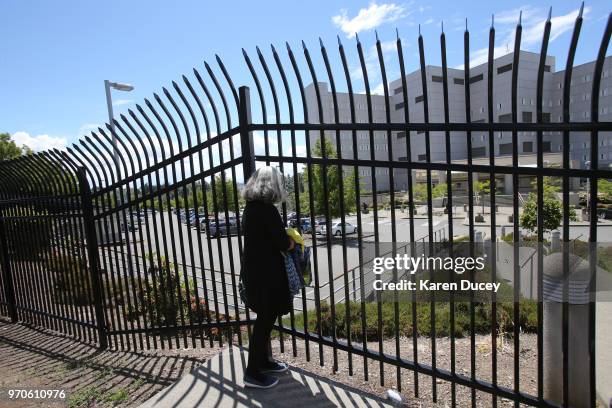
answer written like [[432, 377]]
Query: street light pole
[[109, 104]]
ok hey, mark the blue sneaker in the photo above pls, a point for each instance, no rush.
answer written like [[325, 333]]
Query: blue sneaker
[[275, 367], [263, 381]]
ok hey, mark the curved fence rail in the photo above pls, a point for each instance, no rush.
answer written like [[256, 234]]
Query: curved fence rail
[[130, 238]]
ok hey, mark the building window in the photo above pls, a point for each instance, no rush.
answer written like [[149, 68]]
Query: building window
[[422, 157], [403, 158], [399, 106], [401, 135], [476, 78], [545, 117], [545, 147], [420, 132], [527, 117], [418, 99], [437, 78], [504, 68], [527, 147], [458, 81], [499, 106], [479, 151], [546, 68], [507, 118], [505, 148], [398, 90]]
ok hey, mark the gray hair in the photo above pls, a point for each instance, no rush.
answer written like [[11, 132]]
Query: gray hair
[[266, 184]]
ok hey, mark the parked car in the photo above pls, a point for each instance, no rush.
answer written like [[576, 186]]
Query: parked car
[[336, 228], [129, 227], [318, 226], [305, 227], [218, 230]]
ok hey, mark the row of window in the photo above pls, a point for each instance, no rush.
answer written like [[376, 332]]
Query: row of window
[[379, 170]]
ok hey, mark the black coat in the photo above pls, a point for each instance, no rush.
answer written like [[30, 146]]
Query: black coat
[[264, 239]]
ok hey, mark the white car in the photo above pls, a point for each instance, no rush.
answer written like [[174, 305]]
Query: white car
[[336, 228]]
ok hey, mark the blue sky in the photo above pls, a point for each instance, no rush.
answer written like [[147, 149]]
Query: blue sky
[[56, 54]]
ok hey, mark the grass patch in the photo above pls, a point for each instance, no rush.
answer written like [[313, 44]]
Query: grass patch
[[117, 397], [482, 319], [84, 397], [73, 365]]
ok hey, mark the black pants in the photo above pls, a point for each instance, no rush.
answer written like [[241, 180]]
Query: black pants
[[259, 350]]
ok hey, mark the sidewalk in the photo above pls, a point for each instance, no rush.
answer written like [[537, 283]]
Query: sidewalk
[[218, 383]]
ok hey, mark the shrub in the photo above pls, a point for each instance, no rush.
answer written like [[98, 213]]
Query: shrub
[[28, 236], [482, 322], [168, 298], [71, 279]]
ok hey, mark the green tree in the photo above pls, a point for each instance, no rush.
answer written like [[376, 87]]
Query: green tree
[[221, 197], [420, 192], [552, 209], [439, 191], [482, 189], [333, 178], [9, 149], [604, 189]]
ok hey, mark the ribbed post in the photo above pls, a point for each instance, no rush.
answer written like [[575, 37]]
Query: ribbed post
[[92, 255], [246, 136], [7, 276]]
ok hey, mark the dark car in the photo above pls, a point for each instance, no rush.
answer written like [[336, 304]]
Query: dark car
[[221, 229]]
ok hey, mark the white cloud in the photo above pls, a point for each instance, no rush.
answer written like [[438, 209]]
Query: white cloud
[[379, 89], [120, 102], [88, 127], [39, 142], [428, 21], [368, 18], [533, 22]]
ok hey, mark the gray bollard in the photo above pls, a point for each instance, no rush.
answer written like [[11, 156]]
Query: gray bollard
[[478, 238], [578, 338], [555, 241]]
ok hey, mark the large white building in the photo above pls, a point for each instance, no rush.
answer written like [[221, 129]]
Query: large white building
[[580, 109]]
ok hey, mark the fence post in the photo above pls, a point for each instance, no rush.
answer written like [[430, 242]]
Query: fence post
[[92, 254], [7, 276], [246, 136]]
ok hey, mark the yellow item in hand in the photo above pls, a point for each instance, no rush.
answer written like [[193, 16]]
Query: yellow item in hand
[[295, 235]]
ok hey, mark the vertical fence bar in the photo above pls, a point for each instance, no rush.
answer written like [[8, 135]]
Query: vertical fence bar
[[449, 206], [431, 236], [515, 206], [246, 136], [468, 119], [7, 277], [92, 254], [595, 94], [492, 188], [415, 354]]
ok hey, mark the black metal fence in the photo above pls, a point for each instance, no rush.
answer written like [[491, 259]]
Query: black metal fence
[[130, 238]]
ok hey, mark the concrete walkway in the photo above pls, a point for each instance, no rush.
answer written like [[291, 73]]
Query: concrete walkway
[[218, 383]]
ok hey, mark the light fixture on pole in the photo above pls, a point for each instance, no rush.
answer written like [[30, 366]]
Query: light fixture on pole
[[109, 103]]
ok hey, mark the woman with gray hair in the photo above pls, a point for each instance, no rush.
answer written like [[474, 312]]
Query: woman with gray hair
[[264, 274]]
